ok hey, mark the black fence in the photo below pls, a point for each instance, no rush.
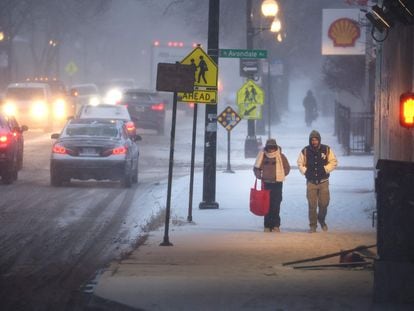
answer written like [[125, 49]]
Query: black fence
[[355, 131]]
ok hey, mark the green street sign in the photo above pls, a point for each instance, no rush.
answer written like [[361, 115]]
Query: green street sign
[[236, 53]]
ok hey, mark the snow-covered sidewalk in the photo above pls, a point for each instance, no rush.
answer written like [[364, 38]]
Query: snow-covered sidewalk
[[224, 261]]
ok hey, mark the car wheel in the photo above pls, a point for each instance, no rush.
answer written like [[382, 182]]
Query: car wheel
[[55, 179], [20, 163], [10, 174], [127, 180], [135, 175]]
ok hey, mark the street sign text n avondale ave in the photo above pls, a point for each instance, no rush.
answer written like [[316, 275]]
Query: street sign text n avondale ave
[[236, 53]]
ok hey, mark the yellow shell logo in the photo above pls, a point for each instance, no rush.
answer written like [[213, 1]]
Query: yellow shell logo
[[344, 32]]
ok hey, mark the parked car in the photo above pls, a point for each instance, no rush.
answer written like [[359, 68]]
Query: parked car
[[94, 149], [84, 94], [147, 109], [107, 111], [30, 103], [11, 148]]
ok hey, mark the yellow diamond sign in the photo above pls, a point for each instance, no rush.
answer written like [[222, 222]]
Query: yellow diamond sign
[[250, 98], [206, 75], [71, 68]]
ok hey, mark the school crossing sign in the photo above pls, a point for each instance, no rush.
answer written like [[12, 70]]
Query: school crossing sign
[[250, 98], [206, 75]]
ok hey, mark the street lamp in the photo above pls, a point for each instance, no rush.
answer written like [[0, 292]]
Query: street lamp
[[276, 25], [269, 8]]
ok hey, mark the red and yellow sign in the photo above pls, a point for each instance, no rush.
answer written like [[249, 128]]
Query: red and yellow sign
[[344, 32]]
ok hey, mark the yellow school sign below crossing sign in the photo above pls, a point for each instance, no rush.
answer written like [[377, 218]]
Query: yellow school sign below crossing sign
[[206, 75], [250, 98]]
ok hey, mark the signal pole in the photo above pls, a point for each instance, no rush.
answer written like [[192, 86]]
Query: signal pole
[[250, 144], [210, 134]]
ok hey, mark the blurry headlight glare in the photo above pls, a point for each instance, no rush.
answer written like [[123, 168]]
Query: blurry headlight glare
[[39, 110], [94, 101], [113, 96], [59, 109], [9, 109]]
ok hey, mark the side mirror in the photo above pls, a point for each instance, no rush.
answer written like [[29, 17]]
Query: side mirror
[[24, 128], [136, 137], [55, 136]]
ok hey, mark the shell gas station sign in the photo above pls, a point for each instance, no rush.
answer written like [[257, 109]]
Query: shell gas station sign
[[341, 32]]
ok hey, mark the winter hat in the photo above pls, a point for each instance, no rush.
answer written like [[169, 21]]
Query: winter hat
[[271, 143], [314, 134]]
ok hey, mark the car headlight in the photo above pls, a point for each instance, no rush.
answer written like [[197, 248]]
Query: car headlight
[[94, 101], [59, 109], [10, 109], [39, 109], [113, 96]]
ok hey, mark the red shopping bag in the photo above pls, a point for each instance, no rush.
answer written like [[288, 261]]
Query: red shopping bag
[[259, 200]]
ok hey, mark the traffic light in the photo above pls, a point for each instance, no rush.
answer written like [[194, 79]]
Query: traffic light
[[407, 110]]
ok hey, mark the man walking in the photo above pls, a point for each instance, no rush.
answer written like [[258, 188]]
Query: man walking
[[311, 108], [316, 161]]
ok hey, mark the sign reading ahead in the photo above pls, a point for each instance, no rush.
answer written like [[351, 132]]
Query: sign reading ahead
[[206, 76], [228, 118], [250, 98], [236, 53]]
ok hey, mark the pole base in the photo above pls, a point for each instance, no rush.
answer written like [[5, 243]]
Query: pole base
[[229, 171], [208, 205], [166, 242], [252, 146]]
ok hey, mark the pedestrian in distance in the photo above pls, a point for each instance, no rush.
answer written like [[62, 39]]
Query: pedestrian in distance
[[311, 108], [316, 161], [271, 167]]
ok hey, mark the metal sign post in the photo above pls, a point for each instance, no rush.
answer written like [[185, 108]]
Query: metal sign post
[[228, 119], [193, 142], [210, 133], [173, 78]]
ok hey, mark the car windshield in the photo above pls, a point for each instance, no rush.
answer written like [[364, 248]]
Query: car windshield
[[138, 96], [24, 93], [92, 129], [101, 111]]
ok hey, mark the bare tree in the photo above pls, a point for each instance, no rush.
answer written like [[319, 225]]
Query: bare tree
[[345, 73]]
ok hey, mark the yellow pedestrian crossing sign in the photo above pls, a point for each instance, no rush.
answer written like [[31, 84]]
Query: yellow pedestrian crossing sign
[[206, 76], [250, 98], [71, 68]]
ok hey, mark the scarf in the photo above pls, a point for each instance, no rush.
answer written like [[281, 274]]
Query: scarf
[[280, 172]]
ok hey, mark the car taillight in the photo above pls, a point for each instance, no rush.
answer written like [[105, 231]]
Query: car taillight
[[119, 150], [59, 149], [158, 107], [3, 139], [130, 126]]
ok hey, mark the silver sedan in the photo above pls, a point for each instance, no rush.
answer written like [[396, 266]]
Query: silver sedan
[[94, 149]]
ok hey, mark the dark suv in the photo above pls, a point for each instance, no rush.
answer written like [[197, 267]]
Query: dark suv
[[11, 148], [146, 108]]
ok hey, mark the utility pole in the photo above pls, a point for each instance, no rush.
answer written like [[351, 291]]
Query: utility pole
[[250, 144], [210, 134]]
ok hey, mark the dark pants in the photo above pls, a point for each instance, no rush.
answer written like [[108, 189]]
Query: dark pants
[[272, 219]]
